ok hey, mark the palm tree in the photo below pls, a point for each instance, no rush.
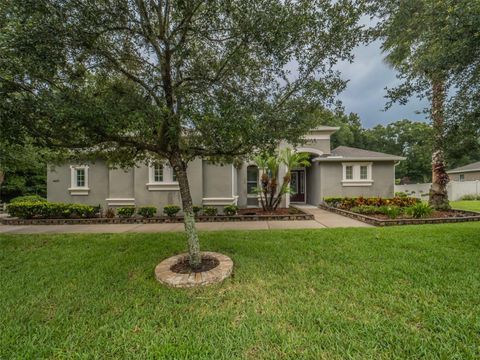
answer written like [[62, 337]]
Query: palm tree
[[271, 194]]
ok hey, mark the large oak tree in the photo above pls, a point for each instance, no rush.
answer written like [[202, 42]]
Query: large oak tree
[[136, 80]]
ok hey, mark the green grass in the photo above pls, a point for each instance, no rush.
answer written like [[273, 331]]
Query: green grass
[[373, 293], [472, 205]]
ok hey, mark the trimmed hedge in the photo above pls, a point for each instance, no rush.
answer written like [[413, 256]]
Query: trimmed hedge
[[347, 203], [171, 210], [28, 198], [210, 210], [147, 211], [230, 210], [126, 212], [51, 210]]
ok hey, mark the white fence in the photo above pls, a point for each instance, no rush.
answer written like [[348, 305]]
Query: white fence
[[456, 189]]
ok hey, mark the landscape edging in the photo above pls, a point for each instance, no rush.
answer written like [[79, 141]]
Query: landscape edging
[[156, 220], [392, 222]]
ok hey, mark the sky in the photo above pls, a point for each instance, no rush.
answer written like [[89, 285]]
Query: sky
[[365, 93]]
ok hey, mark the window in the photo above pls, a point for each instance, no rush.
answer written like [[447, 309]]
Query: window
[[349, 172], [363, 172], [252, 179], [161, 178], [80, 177], [462, 177], [158, 173], [78, 180], [357, 174]]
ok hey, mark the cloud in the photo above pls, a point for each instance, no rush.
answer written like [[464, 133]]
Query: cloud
[[365, 94]]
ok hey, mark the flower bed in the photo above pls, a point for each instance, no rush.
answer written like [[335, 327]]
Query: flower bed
[[395, 212], [281, 214]]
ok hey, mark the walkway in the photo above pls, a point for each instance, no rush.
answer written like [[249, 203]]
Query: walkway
[[323, 219]]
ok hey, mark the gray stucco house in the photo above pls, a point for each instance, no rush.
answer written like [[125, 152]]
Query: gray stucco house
[[470, 172], [343, 171]]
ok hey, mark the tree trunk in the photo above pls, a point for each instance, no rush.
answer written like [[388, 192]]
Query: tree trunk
[[180, 168], [438, 197]]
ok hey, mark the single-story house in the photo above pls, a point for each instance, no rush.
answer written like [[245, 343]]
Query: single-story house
[[468, 172], [343, 171]]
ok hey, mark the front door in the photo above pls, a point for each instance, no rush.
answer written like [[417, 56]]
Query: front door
[[297, 186]]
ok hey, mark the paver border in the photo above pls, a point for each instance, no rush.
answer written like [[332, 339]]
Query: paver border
[[164, 275], [156, 220], [471, 216]]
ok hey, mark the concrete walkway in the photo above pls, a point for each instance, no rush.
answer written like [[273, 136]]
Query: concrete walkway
[[323, 219]]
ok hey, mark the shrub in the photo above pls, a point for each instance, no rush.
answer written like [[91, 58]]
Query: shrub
[[470, 197], [391, 211], [419, 210], [401, 194], [196, 209], [171, 210], [210, 210], [365, 209], [51, 210], [348, 203], [109, 213], [230, 210], [147, 211], [28, 198], [126, 212]]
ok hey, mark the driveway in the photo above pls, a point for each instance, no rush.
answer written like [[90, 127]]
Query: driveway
[[323, 219]]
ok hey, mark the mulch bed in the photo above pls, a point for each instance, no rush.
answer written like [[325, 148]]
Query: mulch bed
[[278, 211], [244, 215], [183, 266], [437, 217]]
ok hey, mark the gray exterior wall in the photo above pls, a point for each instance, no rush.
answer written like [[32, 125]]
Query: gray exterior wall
[[59, 181], [383, 175], [468, 176], [321, 144], [314, 184]]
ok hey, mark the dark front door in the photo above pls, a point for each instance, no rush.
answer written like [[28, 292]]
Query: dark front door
[[297, 186]]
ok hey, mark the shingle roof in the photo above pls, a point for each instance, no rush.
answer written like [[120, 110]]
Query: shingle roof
[[467, 168], [349, 153]]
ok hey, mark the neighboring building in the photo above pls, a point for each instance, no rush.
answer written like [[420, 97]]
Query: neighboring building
[[468, 172], [343, 171]]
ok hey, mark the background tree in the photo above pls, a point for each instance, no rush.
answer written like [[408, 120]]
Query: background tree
[[135, 80], [434, 44], [23, 170]]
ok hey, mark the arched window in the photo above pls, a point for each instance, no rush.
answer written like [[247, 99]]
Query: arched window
[[252, 179]]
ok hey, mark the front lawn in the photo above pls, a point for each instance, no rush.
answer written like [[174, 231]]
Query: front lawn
[[370, 293], [471, 205]]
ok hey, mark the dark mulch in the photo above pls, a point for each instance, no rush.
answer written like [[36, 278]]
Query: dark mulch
[[259, 211], [183, 267]]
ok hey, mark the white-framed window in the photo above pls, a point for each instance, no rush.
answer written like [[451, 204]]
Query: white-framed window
[[357, 174], [79, 180], [158, 173], [252, 179], [161, 177], [349, 172], [461, 177]]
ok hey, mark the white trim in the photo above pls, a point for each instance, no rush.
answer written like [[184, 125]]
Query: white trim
[[220, 201], [356, 168], [163, 186], [309, 150], [120, 201], [339, 158], [166, 185], [317, 137], [462, 171], [74, 189], [357, 182]]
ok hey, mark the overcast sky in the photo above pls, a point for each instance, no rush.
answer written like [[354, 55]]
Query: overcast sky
[[365, 92]]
